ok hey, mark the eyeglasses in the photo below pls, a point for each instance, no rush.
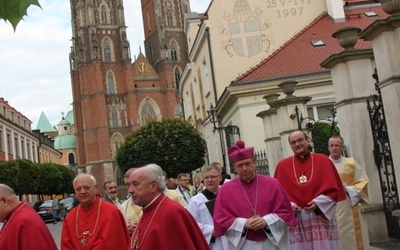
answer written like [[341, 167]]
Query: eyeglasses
[[300, 140], [211, 177]]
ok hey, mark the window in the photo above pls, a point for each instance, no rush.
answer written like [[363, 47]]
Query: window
[[9, 143], [114, 117], [170, 19], [177, 75], [103, 15], [151, 52], [16, 147], [111, 83], [71, 159], [206, 78], [107, 50], [174, 56], [147, 113]]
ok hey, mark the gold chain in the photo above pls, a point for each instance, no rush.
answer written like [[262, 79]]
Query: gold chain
[[8, 221], [86, 232], [303, 179], [134, 240]]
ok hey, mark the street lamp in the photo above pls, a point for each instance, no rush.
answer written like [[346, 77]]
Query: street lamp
[[229, 130]]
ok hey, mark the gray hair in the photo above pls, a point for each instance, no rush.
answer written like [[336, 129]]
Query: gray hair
[[6, 190], [155, 173], [85, 175], [211, 167]]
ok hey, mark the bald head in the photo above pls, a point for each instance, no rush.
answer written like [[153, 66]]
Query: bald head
[[8, 201], [6, 190]]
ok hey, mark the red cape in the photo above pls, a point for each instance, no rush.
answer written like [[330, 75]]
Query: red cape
[[25, 230], [111, 231], [172, 227], [325, 179]]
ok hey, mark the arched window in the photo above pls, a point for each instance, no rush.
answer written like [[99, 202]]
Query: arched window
[[114, 117], [177, 74], [170, 18], [174, 56], [103, 15], [107, 53], [71, 159], [147, 113], [111, 83]]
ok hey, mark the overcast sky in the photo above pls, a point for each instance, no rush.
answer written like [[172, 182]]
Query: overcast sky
[[34, 64]]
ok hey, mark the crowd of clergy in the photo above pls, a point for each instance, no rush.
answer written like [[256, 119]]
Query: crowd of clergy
[[307, 204]]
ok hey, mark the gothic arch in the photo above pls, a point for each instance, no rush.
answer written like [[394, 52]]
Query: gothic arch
[[103, 14], [115, 142], [108, 51], [110, 82], [114, 118], [177, 76], [148, 110], [174, 49]]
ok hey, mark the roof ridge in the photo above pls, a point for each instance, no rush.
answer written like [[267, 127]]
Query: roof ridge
[[316, 20]]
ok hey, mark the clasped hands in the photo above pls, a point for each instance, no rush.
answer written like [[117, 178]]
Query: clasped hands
[[309, 209], [255, 223]]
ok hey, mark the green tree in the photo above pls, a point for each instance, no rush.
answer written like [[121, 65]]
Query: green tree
[[13, 11], [172, 144], [321, 132], [68, 176], [28, 177], [9, 173], [50, 179]]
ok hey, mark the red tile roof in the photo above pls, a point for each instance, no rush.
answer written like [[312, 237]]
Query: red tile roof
[[298, 56]]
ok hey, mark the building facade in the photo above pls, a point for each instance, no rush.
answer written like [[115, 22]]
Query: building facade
[[17, 141]]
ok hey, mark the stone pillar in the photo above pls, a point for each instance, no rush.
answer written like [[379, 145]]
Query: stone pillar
[[285, 109], [271, 132], [353, 84], [385, 37]]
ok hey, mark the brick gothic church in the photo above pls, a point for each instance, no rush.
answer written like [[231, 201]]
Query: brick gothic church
[[111, 95]]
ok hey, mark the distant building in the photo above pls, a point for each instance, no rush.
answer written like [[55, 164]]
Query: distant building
[[17, 141]]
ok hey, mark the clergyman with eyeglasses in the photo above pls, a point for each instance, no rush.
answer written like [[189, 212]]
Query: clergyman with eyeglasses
[[314, 187], [252, 211], [201, 206], [183, 186]]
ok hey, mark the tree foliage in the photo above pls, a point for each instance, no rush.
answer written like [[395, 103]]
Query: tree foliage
[[172, 144], [13, 11], [321, 132], [50, 179], [9, 173], [27, 177]]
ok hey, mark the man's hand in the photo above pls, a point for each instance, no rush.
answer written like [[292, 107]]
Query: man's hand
[[132, 227], [296, 209], [312, 207], [255, 223]]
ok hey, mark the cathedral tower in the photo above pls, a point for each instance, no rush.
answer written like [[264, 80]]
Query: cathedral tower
[[165, 40], [111, 97]]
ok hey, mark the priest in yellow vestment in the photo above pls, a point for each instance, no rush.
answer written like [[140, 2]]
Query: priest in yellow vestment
[[351, 234]]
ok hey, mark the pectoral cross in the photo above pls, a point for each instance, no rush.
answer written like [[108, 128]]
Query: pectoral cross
[[303, 179], [83, 241]]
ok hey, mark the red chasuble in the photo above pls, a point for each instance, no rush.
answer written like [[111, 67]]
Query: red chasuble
[[24, 229], [234, 199], [165, 224], [109, 234], [322, 179]]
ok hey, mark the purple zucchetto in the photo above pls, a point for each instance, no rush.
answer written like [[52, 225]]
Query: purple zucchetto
[[239, 152]]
